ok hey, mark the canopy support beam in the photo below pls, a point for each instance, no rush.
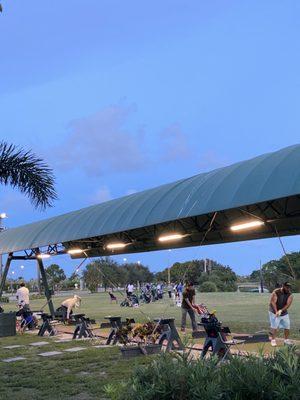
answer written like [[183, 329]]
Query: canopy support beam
[[5, 272], [45, 282]]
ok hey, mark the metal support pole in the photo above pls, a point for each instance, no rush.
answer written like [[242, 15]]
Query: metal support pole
[[5, 272], [45, 283], [261, 278], [38, 278]]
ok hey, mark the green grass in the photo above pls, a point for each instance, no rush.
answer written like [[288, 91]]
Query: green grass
[[79, 375], [83, 375], [242, 312]]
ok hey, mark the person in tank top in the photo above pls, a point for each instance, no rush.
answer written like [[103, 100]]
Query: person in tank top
[[281, 300]]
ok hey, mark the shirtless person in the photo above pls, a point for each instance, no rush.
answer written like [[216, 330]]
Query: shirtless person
[[280, 301], [68, 305]]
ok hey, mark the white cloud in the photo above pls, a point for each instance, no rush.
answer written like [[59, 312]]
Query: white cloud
[[211, 160], [175, 144], [100, 143], [130, 191], [102, 194]]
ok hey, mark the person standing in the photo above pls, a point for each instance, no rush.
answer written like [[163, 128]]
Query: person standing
[[170, 290], [130, 289], [281, 300], [23, 295], [188, 300], [180, 290]]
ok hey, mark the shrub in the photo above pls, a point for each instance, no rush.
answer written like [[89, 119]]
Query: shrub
[[208, 286], [35, 296], [173, 376], [170, 377], [4, 299]]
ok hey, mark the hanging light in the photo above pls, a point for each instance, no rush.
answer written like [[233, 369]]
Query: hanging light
[[173, 236], [247, 225], [116, 245], [74, 251], [43, 255]]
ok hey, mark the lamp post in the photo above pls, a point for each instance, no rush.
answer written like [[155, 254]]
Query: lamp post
[[261, 278], [2, 217], [11, 282], [169, 268]]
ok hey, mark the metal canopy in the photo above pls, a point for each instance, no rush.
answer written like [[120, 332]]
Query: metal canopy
[[266, 187]]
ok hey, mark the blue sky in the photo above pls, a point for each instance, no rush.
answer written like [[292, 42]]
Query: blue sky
[[120, 96]]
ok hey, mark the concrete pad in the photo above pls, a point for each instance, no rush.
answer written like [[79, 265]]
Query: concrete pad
[[75, 349], [62, 340], [64, 336], [37, 344], [8, 360], [13, 346], [102, 346], [50, 353]]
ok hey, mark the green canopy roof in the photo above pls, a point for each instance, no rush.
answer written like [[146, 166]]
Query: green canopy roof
[[256, 181]]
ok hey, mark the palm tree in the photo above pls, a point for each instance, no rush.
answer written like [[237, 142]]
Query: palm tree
[[25, 171]]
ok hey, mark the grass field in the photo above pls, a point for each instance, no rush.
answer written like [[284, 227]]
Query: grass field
[[83, 375], [242, 312]]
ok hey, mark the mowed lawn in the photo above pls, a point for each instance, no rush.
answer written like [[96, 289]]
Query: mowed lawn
[[242, 312], [83, 375]]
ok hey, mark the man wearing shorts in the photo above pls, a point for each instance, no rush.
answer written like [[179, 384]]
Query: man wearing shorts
[[280, 301]]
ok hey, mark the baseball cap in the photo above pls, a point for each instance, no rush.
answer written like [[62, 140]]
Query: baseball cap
[[287, 284]]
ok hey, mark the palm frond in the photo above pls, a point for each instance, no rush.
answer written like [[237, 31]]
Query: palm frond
[[25, 171]]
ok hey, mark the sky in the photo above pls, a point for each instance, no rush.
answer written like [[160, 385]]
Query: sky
[[120, 96]]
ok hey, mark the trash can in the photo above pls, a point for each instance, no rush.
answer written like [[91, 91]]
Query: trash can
[[7, 324]]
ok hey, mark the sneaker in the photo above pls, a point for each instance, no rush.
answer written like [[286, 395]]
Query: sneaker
[[183, 331], [273, 343], [288, 342]]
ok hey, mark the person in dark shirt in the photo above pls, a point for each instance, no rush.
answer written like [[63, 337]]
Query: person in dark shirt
[[188, 299], [281, 300]]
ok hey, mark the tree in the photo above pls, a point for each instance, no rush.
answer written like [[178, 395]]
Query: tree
[[135, 272], [275, 272], [25, 171], [70, 282], [194, 271], [111, 274], [55, 275], [208, 286], [92, 276]]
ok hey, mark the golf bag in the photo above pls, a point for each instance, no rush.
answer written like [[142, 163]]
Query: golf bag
[[28, 320], [125, 303], [146, 297], [134, 300], [213, 329], [159, 294]]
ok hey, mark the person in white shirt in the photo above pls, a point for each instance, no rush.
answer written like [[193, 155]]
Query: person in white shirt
[[68, 305], [130, 289], [23, 295]]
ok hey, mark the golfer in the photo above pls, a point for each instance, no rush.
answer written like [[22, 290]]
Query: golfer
[[23, 295], [188, 300], [68, 305], [281, 300]]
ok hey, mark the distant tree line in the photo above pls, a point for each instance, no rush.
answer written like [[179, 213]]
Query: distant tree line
[[208, 275], [275, 272], [109, 274]]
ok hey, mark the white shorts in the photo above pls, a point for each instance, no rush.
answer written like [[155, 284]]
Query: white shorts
[[279, 322]]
